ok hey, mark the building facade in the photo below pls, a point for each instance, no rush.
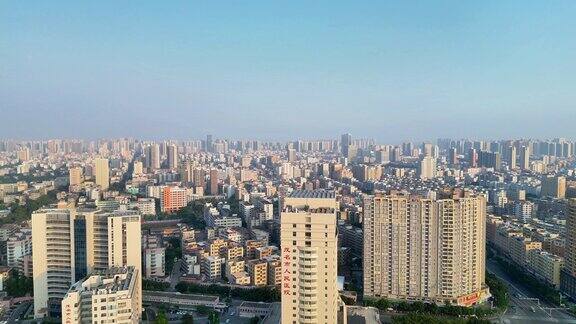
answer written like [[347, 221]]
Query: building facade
[[423, 249], [309, 257]]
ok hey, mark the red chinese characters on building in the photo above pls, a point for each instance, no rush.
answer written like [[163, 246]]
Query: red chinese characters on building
[[286, 265]]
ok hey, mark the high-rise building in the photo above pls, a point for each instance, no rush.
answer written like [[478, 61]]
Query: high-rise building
[[209, 144], [214, 182], [106, 296], [172, 152], [199, 177], [473, 158], [525, 158], [138, 168], [489, 160], [24, 154], [428, 149], [76, 176], [452, 156], [512, 157], [553, 186], [290, 154], [309, 254], [53, 252], [152, 157], [124, 244], [423, 249], [102, 173], [568, 274], [427, 168], [68, 244], [345, 143]]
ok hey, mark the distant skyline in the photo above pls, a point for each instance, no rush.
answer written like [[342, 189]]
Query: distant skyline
[[389, 70]]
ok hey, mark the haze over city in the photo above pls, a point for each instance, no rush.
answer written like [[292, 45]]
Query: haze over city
[[389, 70], [293, 162]]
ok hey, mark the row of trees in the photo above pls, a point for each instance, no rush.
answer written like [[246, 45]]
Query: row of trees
[[428, 308], [154, 285], [428, 319], [260, 294], [499, 291]]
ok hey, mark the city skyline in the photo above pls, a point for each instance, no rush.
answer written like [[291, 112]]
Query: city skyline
[[388, 70]]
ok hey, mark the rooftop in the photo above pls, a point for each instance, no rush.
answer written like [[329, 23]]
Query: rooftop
[[312, 194]]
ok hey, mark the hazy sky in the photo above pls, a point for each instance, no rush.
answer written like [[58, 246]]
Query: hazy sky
[[392, 70]]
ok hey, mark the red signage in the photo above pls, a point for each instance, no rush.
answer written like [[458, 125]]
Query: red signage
[[286, 264]]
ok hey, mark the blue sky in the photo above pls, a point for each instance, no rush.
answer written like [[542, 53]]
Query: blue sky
[[392, 70]]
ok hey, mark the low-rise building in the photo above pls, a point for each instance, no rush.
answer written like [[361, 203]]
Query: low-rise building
[[258, 271], [546, 266], [212, 267]]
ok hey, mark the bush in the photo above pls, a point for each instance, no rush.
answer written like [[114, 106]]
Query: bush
[[154, 285], [260, 294]]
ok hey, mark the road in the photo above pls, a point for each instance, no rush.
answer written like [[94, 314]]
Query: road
[[175, 275], [524, 306]]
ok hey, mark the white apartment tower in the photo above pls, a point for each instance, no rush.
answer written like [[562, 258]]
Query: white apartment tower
[[53, 258], [309, 257], [68, 244], [426, 250]]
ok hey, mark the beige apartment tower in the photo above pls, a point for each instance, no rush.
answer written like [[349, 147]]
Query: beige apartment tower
[[309, 257], [418, 249], [102, 173]]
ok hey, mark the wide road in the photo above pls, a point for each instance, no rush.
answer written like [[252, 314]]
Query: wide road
[[524, 306]]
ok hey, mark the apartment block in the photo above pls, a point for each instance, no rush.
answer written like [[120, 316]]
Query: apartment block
[[420, 249]]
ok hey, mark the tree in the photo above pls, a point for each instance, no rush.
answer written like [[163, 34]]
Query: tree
[[214, 318], [161, 318], [202, 309], [255, 320], [187, 319], [18, 285]]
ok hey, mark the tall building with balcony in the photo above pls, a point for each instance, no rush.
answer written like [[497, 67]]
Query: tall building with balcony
[[53, 251], [424, 249], [309, 257], [68, 244]]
